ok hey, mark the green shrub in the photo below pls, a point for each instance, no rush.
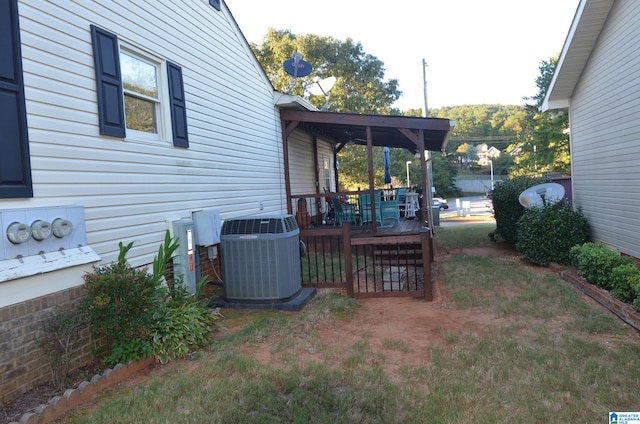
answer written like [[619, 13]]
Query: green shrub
[[120, 304], [547, 234], [507, 210], [595, 262], [180, 326], [125, 351], [61, 337], [625, 281], [134, 313]]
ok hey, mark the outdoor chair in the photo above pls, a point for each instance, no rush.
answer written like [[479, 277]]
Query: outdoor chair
[[390, 209], [400, 197], [364, 202], [343, 212]]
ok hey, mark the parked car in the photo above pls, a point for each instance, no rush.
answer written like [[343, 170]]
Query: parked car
[[440, 202]]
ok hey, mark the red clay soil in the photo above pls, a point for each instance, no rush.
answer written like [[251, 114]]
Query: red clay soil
[[413, 323]]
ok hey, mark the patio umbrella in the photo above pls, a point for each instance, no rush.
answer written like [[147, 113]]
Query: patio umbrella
[[387, 165]]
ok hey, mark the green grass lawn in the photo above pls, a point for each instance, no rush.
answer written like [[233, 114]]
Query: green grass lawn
[[552, 356]]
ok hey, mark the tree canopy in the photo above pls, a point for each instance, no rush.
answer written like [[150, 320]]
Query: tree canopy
[[360, 85], [538, 141], [544, 143]]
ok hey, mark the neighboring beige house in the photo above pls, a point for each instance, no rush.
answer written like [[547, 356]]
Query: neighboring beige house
[[596, 81], [486, 153]]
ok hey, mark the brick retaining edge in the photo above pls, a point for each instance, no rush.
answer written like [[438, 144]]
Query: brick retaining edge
[[72, 398]]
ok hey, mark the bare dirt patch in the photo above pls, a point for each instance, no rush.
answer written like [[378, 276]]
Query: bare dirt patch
[[394, 332]]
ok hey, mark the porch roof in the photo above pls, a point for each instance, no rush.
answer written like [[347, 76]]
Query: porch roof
[[386, 130]]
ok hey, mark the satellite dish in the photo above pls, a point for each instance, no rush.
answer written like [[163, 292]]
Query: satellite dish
[[322, 87], [541, 194], [296, 67]]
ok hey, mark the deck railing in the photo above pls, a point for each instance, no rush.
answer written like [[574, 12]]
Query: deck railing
[[364, 265], [315, 210]]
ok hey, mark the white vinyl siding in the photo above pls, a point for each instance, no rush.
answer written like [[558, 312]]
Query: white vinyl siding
[[605, 132], [301, 165], [132, 190]]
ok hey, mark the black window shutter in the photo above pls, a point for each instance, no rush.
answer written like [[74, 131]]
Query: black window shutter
[[15, 162], [178, 106], [215, 4], [109, 82]]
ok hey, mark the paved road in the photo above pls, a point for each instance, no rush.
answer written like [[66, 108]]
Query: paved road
[[478, 205]]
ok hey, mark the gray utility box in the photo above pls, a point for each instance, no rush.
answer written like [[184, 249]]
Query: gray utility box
[[261, 258]]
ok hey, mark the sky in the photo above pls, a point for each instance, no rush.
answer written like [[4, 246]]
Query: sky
[[477, 51]]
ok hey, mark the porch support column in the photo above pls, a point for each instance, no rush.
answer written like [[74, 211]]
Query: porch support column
[[372, 193], [426, 242], [335, 169], [286, 130], [316, 176], [426, 184]]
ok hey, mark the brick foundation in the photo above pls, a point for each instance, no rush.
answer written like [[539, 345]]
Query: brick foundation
[[23, 364], [210, 267]]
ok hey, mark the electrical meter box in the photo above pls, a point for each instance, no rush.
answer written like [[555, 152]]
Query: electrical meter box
[[207, 226]]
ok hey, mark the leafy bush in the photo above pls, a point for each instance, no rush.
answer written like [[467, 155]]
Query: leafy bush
[[137, 316], [625, 282], [180, 326], [61, 336], [595, 262], [547, 234], [507, 210], [606, 269], [120, 305]]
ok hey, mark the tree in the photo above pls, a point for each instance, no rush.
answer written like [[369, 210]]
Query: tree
[[444, 177], [544, 146], [360, 88], [360, 85]]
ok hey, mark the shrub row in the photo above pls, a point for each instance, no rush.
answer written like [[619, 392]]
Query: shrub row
[[608, 270]]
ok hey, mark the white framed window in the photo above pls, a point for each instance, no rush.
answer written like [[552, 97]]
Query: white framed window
[[145, 95], [140, 97], [327, 172]]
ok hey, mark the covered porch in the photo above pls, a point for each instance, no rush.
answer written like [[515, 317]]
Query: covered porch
[[382, 236]]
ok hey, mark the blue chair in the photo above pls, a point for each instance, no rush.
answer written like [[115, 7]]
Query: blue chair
[[399, 195], [390, 209], [364, 203], [343, 212]]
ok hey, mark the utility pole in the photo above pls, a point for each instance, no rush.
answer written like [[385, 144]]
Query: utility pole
[[424, 81]]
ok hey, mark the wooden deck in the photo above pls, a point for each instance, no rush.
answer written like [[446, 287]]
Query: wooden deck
[[393, 261], [391, 228]]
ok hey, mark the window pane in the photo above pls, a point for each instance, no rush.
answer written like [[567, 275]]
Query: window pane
[[138, 76], [140, 114]]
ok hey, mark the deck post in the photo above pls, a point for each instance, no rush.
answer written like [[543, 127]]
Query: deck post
[[426, 243], [348, 258]]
